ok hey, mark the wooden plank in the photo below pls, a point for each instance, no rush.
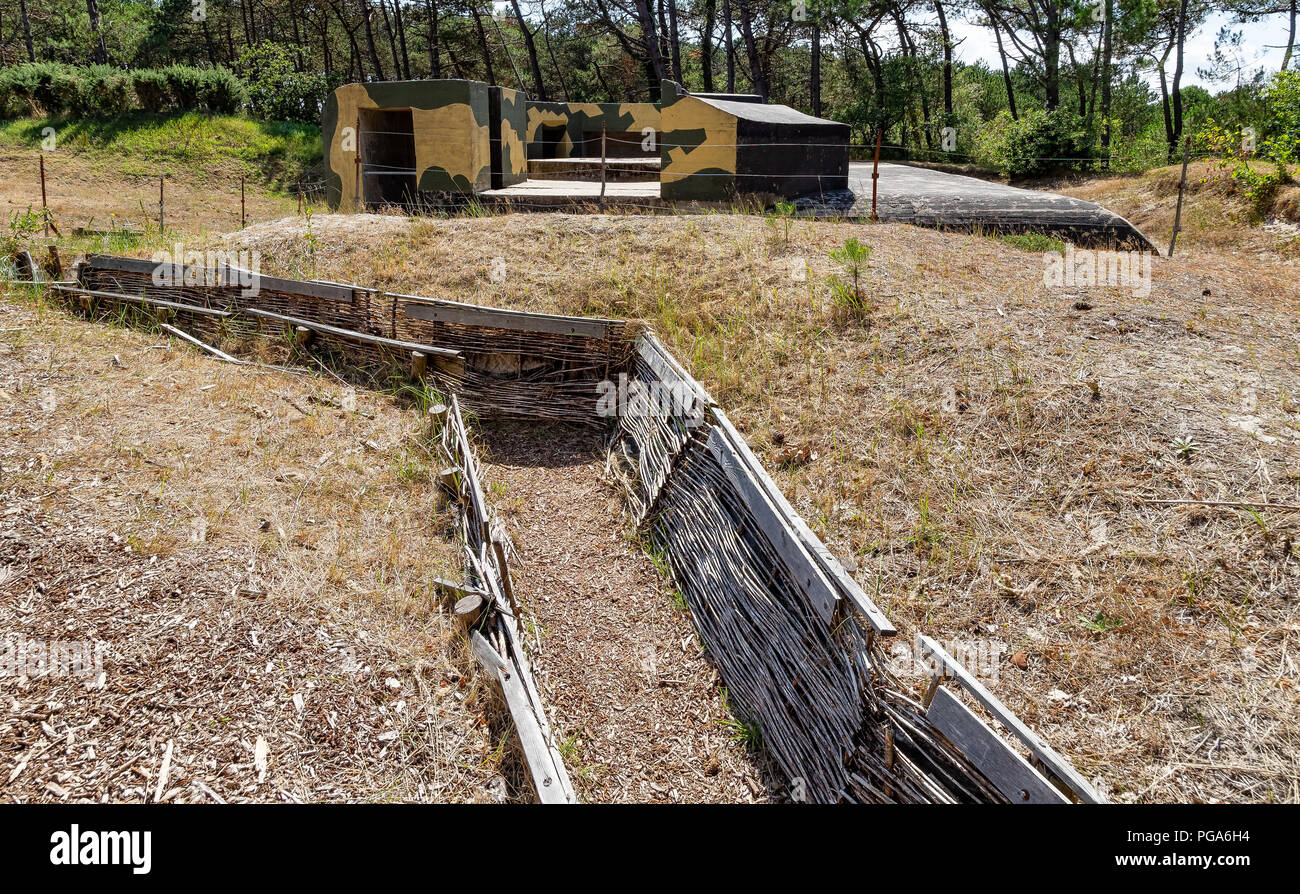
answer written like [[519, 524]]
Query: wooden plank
[[313, 289], [1055, 764], [826, 560], [537, 753], [808, 576], [141, 299], [1011, 773], [479, 503], [474, 315], [666, 367]]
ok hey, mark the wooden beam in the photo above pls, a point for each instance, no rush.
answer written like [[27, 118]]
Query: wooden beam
[[825, 559], [473, 315], [1055, 764], [532, 739], [812, 583], [1007, 770]]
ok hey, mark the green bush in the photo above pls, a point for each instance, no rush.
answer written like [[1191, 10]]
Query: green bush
[[185, 84], [104, 92], [223, 93], [275, 91], [152, 90], [51, 86], [1038, 143]]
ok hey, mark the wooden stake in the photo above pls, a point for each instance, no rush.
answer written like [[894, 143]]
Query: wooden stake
[[1182, 185], [356, 198], [602, 165], [243, 217], [469, 610], [300, 197], [161, 204], [45, 208], [301, 337], [875, 173], [419, 365]]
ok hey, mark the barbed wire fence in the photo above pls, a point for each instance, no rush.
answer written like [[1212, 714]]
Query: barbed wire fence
[[145, 204]]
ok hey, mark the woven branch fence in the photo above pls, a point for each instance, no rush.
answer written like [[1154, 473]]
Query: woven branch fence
[[798, 643]]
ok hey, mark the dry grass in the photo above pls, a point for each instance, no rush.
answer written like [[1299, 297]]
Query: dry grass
[[1216, 216], [258, 560], [86, 190], [984, 453]]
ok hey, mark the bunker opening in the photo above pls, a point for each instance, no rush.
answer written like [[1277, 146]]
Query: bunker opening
[[388, 154]]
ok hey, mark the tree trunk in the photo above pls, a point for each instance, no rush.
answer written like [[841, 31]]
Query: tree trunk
[[1052, 58], [27, 30], [531, 46], [483, 45], [815, 74], [654, 62], [1290, 35], [1006, 72], [726, 42], [947, 61], [392, 40], [99, 51], [435, 63], [401, 36], [1107, 51], [706, 44], [366, 11], [756, 73], [1178, 80], [674, 44]]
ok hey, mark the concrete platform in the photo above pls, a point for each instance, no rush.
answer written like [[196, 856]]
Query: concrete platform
[[551, 194], [930, 198], [627, 170]]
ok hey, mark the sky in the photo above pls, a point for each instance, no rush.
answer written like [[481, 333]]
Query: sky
[[977, 44]]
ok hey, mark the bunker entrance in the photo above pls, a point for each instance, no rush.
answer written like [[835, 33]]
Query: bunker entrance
[[551, 137], [388, 158]]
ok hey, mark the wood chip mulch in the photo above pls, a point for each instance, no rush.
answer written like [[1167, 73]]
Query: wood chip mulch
[[637, 706]]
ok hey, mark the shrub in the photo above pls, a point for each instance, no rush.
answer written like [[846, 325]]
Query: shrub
[[104, 92], [222, 92], [55, 87], [277, 92], [185, 84], [152, 90], [1038, 143]]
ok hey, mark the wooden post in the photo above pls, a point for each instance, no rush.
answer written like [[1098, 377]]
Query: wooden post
[[301, 337], [161, 201], [1182, 185], [242, 214], [356, 198], [45, 208], [419, 365], [602, 165], [875, 173], [300, 197], [468, 610]]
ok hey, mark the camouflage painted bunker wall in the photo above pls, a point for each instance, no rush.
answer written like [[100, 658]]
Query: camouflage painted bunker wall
[[716, 146], [410, 143], [572, 129]]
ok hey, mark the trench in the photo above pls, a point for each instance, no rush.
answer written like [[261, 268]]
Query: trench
[[637, 706]]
